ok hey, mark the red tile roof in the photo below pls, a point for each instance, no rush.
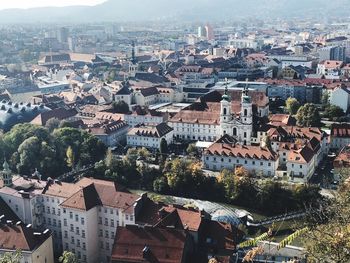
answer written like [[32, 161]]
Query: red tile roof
[[340, 130], [241, 151], [134, 243], [17, 236], [343, 158]]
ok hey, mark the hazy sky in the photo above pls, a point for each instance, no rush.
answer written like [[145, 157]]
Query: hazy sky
[[5, 4]]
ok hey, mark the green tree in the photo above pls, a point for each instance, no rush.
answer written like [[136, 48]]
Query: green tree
[[325, 98], [163, 146], [68, 257], [11, 257], [52, 124], [160, 185], [292, 106], [333, 112], [328, 238], [227, 178], [120, 107], [70, 157], [29, 155], [192, 150], [308, 116]]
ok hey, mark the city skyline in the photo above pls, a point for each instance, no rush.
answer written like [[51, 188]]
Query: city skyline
[[22, 4]]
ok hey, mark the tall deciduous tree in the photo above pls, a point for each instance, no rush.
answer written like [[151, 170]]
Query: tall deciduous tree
[[11, 257], [308, 116], [292, 105], [328, 238], [68, 257], [70, 157], [163, 146]]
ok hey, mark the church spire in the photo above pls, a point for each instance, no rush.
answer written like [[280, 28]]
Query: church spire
[[6, 174], [226, 96]]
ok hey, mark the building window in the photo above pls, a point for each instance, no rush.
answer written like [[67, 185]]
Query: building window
[[112, 235], [64, 211], [71, 228], [106, 221], [72, 240], [83, 233], [71, 215], [77, 231], [65, 233], [101, 244], [84, 245], [49, 221], [82, 220], [53, 211], [112, 223], [107, 245], [111, 211], [65, 222], [106, 234], [100, 220], [76, 218], [78, 242], [126, 217], [101, 233]]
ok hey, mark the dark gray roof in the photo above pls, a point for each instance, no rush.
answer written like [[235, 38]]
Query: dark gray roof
[[149, 91], [14, 113], [17, 90], [57, 58], [150, 77], [123, 91]]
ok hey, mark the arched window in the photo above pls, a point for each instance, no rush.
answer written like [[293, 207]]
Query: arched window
[[245, 112], [234, 131], [225, 111]]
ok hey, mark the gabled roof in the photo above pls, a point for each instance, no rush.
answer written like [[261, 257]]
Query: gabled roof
[[134, 243], [151, 131], [85, 199], [15, 235], [150, 77], [59, 113], [242, 151], [123, 91], [302, 156], [340, 130]]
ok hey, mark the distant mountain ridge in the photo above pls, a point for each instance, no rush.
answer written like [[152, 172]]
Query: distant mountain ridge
[[192, 10]]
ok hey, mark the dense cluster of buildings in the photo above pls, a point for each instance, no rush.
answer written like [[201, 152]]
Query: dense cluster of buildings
[[222, 86], [100, 221]]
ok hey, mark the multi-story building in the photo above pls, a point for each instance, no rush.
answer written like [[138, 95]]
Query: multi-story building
[[292, 153], [332, 53], [111, 133], [144, 116], [340, 97], [35, 246], [340, 135], [208, 120], [227, 154], [149, 136], [330, 68], [82, 216]]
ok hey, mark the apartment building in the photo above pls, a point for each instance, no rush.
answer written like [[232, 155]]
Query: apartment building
[[82, 216]]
